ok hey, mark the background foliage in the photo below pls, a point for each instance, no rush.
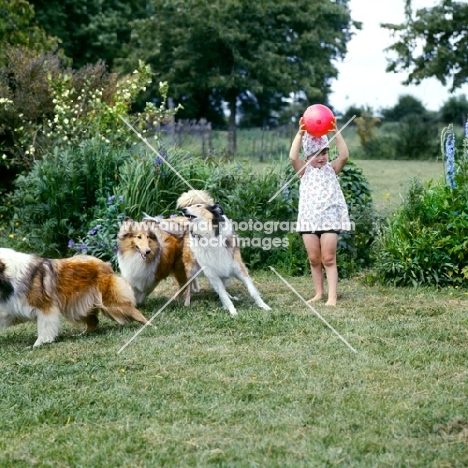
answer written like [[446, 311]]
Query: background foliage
[[425, 243], [442, 31]]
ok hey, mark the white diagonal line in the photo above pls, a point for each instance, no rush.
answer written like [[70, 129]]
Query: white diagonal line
[[187, 284], [310, 160], [155, 151], [313, 310]]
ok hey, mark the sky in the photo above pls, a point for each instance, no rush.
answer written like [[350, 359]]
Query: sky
[[362, 79]]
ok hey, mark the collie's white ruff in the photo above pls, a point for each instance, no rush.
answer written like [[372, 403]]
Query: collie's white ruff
[[139, 273], [146, 255]]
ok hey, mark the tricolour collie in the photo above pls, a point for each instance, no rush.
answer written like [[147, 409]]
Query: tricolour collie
[[147, 255], [77, 288], [210, 243]]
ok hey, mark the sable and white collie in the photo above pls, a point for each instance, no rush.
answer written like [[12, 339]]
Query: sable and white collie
[[146, 255], [210, 243], [42, 290]]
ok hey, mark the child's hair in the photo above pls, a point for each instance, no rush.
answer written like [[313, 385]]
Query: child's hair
[[312, 145]]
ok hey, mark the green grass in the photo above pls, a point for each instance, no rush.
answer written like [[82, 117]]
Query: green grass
[[389, 180], [266, 389]]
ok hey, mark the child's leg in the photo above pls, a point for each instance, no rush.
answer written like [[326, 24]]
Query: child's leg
[[328, 244], [312, 245]]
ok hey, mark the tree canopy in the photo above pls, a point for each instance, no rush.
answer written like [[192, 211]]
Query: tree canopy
[[242, 52], [455, 110], [18, 29], [433, 42], [406, 105], [89, 30]]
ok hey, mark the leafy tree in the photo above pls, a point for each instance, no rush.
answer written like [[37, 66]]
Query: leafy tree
[[89, 30], [443, 32], [17, 28], [355, 111], [455, 110], [416, 129], [240, 51], [406, 105]]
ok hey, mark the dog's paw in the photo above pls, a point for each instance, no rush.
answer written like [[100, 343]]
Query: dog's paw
[[265, 306], [42, 340], [233, 312]]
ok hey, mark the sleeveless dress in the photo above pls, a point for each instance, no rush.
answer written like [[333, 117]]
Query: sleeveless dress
[[322, 206]]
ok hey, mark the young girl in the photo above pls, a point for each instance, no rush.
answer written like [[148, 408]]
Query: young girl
[[322, 207]]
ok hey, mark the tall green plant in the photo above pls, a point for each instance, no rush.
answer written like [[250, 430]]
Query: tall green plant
[[151, 183], [426, 242], [57, 197]]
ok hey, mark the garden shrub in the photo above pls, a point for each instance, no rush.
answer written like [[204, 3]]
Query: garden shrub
[[101, 238], [86, 143], [53, 202], [426, 241], [355, 248], [417, 138]]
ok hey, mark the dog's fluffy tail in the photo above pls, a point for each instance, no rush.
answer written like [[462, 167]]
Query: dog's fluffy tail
[[119, 302]]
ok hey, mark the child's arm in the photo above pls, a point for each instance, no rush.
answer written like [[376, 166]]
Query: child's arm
[[297, 163], [343, 152]]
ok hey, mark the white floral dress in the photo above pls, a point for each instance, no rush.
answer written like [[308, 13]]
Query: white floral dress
[[322, 206]]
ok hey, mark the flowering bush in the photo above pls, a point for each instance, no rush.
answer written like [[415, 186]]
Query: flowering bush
[[449, 152], [43, 105], [96, 112], [101, 238], [426, 242]]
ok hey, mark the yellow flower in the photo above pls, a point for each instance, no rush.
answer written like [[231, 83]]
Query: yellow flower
[[11, 236]]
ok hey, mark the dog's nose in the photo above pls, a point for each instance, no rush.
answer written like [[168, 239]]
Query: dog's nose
[[184, 210], [148, 250]]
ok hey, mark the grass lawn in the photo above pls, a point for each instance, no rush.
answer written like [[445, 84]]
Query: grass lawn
[[389, 180], [266, 389]]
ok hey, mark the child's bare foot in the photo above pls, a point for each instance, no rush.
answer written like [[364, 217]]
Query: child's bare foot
[[317, 297], [331, 302]]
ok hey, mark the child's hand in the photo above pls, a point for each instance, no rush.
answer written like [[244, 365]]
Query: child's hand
[[302, 126], [334, 128]]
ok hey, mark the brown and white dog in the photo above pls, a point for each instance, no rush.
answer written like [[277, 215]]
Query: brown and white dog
[[42, 290], [210, 243], [146, 255]]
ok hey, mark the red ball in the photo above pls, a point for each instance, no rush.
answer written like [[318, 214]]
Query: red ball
[[318, 120]]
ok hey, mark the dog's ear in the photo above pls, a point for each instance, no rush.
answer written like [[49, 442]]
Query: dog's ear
[[126, 228], [216, 210]]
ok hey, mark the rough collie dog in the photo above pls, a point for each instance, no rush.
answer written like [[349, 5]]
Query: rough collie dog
[[211, 243], [42, 290], [146, 255]]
